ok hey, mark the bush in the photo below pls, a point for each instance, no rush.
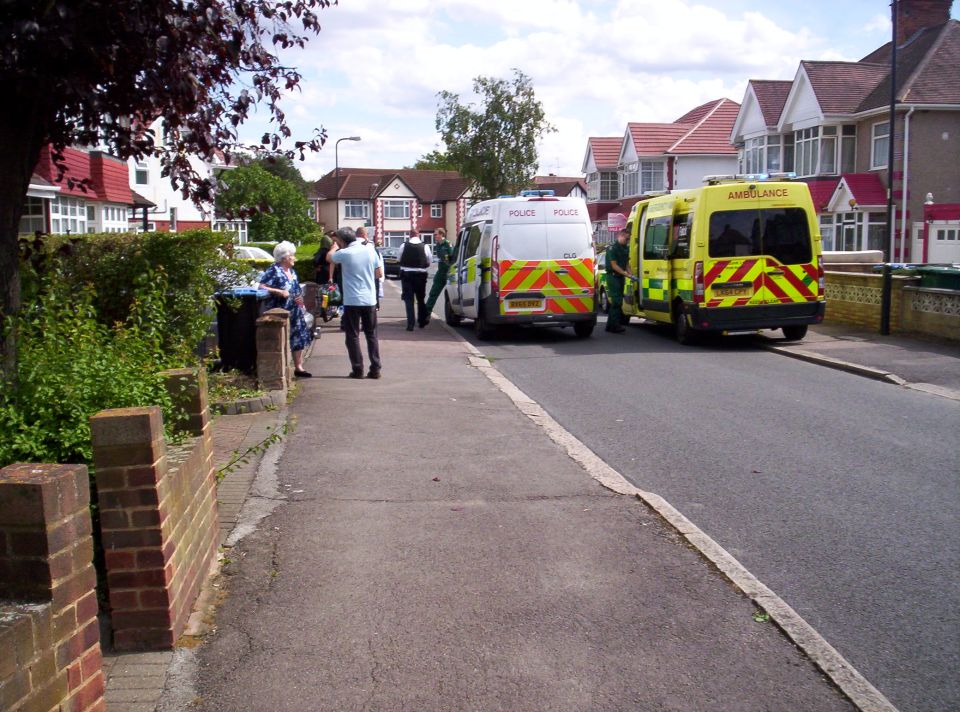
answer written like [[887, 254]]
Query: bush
[[71, 365], [113, 264]]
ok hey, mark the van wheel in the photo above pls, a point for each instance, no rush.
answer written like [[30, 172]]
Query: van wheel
[[682, 331], [583, 329], [604, 302], [795, 333], [481, 328], [450, 316]]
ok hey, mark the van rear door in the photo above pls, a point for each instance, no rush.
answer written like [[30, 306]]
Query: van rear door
[[789, 261], [570, 285], [733, 273]]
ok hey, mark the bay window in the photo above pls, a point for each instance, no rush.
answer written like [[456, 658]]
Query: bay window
[[825, 150], [32, 220], [603, 185], [641, 178]]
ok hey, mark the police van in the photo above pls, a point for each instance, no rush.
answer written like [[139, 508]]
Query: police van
[[741, 253], [525, 260]]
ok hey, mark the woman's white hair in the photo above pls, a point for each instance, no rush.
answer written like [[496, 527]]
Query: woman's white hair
[[284, 249]]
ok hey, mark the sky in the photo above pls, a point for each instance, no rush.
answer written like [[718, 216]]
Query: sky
[[376, 67]]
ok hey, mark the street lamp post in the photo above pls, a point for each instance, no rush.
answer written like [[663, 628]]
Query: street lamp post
[[336, 172]]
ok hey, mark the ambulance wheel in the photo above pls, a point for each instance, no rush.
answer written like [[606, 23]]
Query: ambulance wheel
[[583, 329], [682, 331], [481, 328], [795, 333], [603, 301], [450, 316]]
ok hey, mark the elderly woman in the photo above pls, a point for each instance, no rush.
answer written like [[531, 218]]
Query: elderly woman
[[285, 292]]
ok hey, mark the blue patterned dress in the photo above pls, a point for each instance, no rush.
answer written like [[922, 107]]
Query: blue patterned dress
[[276, 278]]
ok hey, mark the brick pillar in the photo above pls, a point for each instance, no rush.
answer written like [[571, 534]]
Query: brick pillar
[[130, 457], [274, 359], [188, 389], [46, 554]]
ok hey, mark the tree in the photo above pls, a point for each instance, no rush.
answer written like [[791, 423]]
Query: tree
[[435, 161], [276, 208], [282, 167], [100, 71], [495, 144]]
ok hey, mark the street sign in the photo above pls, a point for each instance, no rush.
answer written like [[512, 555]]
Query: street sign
[[616, 221]]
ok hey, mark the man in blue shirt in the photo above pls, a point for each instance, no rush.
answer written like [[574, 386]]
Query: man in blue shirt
[[360, 272]]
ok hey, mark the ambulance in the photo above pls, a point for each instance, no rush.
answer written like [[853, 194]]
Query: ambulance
[[741, 253], [524, 260]]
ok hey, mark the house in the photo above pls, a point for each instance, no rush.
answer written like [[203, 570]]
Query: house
[[98, 200], [565, 187], [650, 158], [831, 125], [168, 209], [392, 202]]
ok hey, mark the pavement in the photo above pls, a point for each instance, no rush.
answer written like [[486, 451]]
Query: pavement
[[434, 542]]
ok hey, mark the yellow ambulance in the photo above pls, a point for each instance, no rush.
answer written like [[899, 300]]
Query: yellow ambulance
[[740, 253]]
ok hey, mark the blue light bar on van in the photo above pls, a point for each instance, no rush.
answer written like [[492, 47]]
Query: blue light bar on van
[[537, 193], [504, 196]]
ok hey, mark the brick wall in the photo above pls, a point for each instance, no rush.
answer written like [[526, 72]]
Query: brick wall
[[855, 299], [932, 311], [50, 638], [274, 359], [158, 514]]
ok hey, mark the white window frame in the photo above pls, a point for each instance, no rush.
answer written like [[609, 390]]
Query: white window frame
[[356, 209], [141, 171], [390, 207], [238, 227], [436, 210], [879, 161], [68, 216], [419, 210], [114, 219], [33, 217]]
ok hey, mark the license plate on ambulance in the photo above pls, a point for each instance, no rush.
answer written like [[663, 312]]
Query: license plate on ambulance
[[732, 291], [524, 304]]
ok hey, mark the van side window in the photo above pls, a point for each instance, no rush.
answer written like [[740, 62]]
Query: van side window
[[656, 238], [473, 242], [680, 245]]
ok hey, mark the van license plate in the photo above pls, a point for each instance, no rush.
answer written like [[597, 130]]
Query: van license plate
[[732, 291], [515, 304]]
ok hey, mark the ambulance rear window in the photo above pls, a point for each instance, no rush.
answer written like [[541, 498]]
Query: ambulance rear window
[[781, 233]]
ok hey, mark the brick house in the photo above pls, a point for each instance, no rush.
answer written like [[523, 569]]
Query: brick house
[[562, 186], [831, 126], [392, 202], [653, 157], [100, 205]]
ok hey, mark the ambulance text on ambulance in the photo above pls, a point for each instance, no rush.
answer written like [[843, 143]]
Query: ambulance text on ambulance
[[753, 194]]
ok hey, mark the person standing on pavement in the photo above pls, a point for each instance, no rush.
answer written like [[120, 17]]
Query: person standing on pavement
[[618, 272], [362, 235], [415, 260], [358, 264], [281, 283], [444, 252]]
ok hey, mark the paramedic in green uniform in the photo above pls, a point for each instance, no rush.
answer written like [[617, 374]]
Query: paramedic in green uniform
[[444, 252], [618, 271]]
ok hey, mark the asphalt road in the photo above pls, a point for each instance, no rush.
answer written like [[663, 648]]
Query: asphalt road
[[838, 492]]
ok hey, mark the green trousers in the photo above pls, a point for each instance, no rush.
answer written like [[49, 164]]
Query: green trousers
[[615, 284], [439, 282]]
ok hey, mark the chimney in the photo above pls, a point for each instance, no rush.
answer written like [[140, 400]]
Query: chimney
[[914, 15]]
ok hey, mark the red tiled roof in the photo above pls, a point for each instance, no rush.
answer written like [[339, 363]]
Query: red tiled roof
[[866, 188], [841, 86], [711, 134], [694, 116], [108, 175], [606, 150], [771, 96], [655, 139], [560, 186], [428, 186], [821, 190]]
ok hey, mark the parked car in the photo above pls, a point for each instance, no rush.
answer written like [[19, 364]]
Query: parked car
[[602, 302], [247, 252], [391, 261]]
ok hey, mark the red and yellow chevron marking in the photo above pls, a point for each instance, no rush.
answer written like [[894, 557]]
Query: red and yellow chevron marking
[[738, 270], [798, 283], [567, 293], [559, 305]]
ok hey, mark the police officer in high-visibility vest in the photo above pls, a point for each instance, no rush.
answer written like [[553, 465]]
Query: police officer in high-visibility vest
[[444, 252], [618, 272]]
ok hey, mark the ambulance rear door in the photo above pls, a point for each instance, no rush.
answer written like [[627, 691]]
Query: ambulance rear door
[[655, 276]]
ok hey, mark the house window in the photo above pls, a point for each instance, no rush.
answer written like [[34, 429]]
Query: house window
[[173, 219], [807, 143], [114, 219], [609, 185], [880, 134], [436, 210], [32, 219], [419, 210], [826, 232], [396, 209], [393, 238], [68, 216], [237, 227], [944, 235], [356, 209], [641, 178], [848, 149], [828, 150], [141, 174]]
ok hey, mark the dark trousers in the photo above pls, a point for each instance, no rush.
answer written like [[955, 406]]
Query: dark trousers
[[355, 320], [414, 286], [615, 286]]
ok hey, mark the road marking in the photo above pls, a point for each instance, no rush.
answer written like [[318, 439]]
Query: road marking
[[846, 677]]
